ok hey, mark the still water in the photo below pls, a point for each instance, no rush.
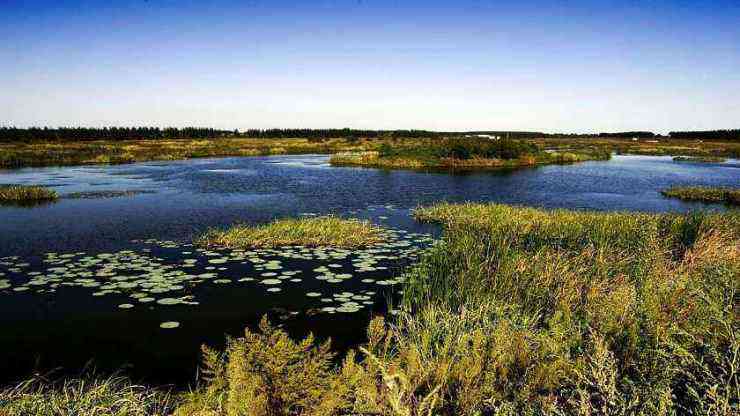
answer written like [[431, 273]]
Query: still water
[[115, 279]]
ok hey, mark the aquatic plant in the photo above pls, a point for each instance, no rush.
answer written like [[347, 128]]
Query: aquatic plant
[[310, 232], [705, 194], [25, 194]]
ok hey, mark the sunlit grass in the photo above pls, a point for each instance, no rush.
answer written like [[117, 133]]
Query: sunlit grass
[[25, 194], [705, 194], [113, 396], [310, 232]]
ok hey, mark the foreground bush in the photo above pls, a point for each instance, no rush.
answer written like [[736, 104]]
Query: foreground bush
[[522, 311]]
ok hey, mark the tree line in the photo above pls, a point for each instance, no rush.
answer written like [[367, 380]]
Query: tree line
[[13, 134], [726, 135]]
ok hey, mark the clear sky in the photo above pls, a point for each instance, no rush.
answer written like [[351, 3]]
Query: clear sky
[[439, 65]]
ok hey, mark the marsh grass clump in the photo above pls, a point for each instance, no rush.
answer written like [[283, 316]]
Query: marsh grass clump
[[326, 231], [26, 195], [705, 194], [522, 311], [700, 159], [113, 396]]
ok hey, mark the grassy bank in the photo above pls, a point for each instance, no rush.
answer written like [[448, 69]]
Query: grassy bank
[[309, 232], [113, 396], [519, 311], [22, 154], [700, 159], [26, 195], [461, 153], [705, 194]]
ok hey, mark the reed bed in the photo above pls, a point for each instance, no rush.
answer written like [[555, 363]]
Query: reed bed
[[25, 194], [521, 311], [705, 194], [326, 231]]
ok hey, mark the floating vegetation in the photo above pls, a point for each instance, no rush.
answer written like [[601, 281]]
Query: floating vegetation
[[705, 194], [169, 325], [24, 195], [169, 274], [105, 194], [309, 232]]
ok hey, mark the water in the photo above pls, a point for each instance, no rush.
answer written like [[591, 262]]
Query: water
[[52, 313]]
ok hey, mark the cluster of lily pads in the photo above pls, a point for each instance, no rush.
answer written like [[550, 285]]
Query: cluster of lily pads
[[150, 278]]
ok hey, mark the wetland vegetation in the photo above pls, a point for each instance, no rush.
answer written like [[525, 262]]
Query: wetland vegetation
[[462, 153], [389, 149], [516, 311], [26, 195], [308, 232], [700, 159], [705, 194], [34, 153]]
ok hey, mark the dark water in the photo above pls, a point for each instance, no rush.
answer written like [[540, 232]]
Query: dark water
[[56, 321]]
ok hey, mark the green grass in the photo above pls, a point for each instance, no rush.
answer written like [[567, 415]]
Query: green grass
[[310, 232], [26, 195], [705, 194], [113, 396], [701, 159]]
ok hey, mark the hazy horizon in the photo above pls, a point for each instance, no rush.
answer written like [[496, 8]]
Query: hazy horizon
[[444, 66]]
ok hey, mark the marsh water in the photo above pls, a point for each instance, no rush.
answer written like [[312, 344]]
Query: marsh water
[[115, 279]]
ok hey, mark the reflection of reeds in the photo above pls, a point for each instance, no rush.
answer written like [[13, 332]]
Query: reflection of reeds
[[311, 232], [705, 194], [24, 195]]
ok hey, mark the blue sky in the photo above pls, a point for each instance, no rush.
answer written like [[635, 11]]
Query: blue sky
[[454, 65]]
